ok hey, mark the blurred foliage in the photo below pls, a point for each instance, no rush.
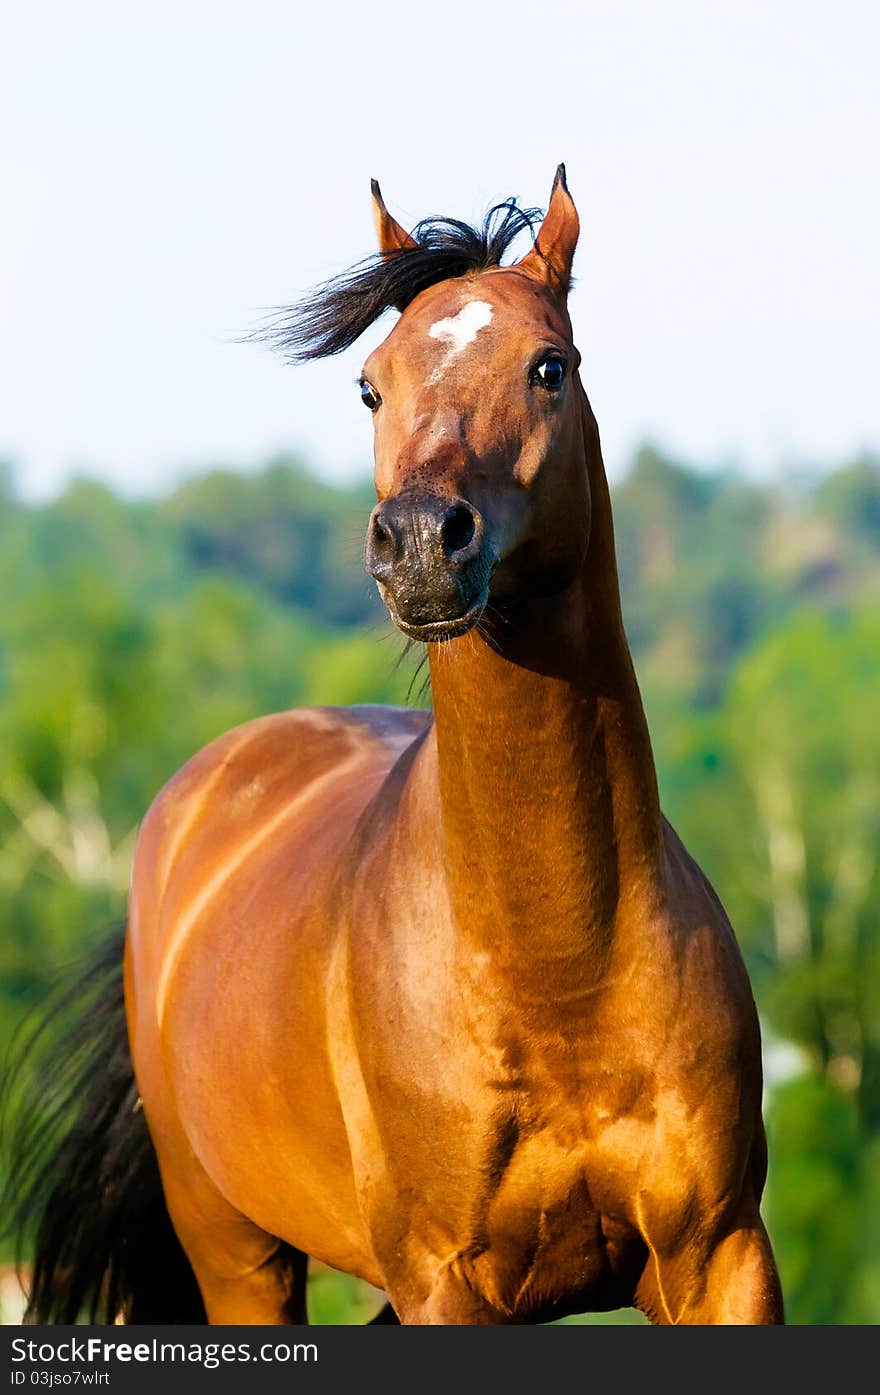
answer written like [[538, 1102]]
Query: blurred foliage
[[131, 633]]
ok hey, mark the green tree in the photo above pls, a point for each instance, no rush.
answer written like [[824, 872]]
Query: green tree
[[284, 531], [851, 498], [801, 719]]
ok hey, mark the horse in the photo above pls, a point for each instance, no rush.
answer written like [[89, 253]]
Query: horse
[[438, 999]]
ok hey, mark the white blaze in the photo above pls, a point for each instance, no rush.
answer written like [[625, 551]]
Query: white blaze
[[457, 331]]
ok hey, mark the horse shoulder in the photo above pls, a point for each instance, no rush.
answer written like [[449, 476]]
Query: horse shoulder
[[706, 949], [699, 1018]]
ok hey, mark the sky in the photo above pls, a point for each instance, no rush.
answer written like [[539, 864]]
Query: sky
[[171, 171]]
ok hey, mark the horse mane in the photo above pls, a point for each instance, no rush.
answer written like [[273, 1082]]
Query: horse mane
[[337, 312]]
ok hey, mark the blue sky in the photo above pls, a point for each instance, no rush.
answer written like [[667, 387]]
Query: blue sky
[[170, 170]]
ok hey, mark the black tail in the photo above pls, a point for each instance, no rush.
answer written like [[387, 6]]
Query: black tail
[[82, 1196]]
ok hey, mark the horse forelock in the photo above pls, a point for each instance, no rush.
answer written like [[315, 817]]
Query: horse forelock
[[338, 312]]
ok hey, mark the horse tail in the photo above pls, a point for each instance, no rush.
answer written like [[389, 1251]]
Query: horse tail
[[82, 1194]]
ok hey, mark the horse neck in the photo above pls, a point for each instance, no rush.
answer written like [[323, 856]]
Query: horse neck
[[547, 788]]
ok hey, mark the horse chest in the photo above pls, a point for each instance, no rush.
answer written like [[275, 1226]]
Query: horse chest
[[529, 1215], [537, 1237]]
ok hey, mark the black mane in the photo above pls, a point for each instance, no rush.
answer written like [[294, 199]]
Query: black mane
[[336, 313]]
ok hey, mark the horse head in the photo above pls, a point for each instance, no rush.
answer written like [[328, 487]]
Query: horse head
[[477, 411]]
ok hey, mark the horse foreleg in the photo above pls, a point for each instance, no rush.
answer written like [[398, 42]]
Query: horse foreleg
[[734, 1283], [451, 1302]]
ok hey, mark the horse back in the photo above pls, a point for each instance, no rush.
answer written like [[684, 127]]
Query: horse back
[[243, 798]]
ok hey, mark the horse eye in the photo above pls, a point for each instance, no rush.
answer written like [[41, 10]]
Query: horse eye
[[549, 373], [369, 395]]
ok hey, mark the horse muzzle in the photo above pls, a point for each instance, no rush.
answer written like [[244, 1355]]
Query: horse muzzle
[[432, 562]]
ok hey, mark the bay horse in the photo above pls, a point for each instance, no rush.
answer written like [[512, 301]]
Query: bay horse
[[439, 1000]]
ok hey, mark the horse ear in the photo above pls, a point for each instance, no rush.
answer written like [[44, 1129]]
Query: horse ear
[[553, 253], [392, 237]]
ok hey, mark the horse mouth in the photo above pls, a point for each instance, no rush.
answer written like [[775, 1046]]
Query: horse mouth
[[438, 631]]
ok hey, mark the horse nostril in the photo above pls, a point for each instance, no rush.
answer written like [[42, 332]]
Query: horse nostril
[[457, 529], [382, 546], [383, 536]]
